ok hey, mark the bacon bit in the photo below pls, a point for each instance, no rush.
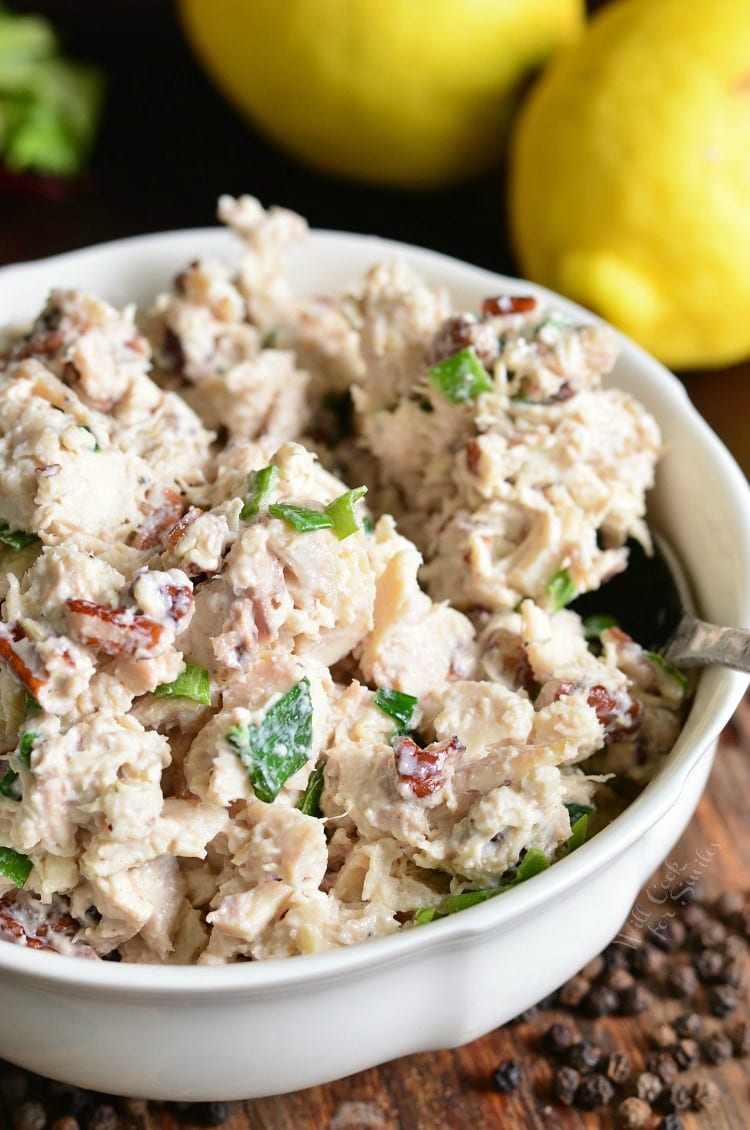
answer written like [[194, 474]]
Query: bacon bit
[[49, 471], [473, 456], [423, 770], [565, 392], [41, 346], [619, 714], [9, 655], [501, 304], [179, 529], [565, 686], [113, 631], [179, 600], [166, 512]]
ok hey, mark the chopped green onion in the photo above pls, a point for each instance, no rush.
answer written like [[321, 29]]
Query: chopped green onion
[[301, 518], [398, 706], [532, 863], [192, 683], [579, 831], [367, 525], [309, 802], [279, 745], [7, 785], [25, 748], [669, 668], [561, 589], [259, 486], [576, 811], [593, 626], [15, 867], [341, 510], [461, 377], [32, 706], [86, 428], [16, 539]]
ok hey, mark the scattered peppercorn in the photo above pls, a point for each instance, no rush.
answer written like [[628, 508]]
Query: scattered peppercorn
[[704, 1094], [647, 961], [14, 1087], [585, 1056], [619, 979], [671, 1122], [30, 1116], [601, 1001], [594, 1092], [633, 1114], [67, 1122], [618, 1067], [663, 1064], [507, 1076], [729, 905], [734, 972], [594, 968], [682, 981], [648, 1087], [676, 1097], [711, 934], [709, 965], [573, 991], [615, 956], [687, 1025], [670, 935], [686, 1053], [717, 1048], [636, 1000], [558, 1038], [693, 915], [103, 1117], [722, 1000], [565, 1085]]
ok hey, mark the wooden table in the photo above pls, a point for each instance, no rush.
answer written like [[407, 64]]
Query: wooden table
[[169, 146]]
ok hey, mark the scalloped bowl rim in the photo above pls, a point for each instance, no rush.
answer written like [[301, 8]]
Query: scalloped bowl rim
[[719, 691]]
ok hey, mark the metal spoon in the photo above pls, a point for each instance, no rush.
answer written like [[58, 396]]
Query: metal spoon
[[652, 602]]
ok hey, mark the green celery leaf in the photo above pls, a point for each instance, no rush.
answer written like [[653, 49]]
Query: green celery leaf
[[259, 486], [14, 866], [301, 518], [561, 589], [398, 706], [192, 683], [341, 510], [309, 802], [280, 745], [461, 377]]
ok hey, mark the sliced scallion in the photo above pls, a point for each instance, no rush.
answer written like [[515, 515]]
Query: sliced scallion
[[461, 377], [301, 518], [343, 514], [259, 486], [192, 683]]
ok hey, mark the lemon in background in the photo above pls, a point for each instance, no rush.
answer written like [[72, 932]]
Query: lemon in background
[[400, 92], [630, 176]]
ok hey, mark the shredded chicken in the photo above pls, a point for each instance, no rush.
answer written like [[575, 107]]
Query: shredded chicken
[[249, 713]]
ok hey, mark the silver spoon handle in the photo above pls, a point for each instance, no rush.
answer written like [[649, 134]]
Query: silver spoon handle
[[698, 644]]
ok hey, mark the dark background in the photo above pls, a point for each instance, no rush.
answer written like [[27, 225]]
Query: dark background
[[169, 145]]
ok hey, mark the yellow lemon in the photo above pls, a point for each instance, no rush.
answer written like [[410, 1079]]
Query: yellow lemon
[[630, 176], [401, 92]]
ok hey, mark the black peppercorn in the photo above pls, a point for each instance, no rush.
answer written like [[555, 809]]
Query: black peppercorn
[[676, 1097], [618, 1067], [648, 1087], [722, 1000], [558, 1038], [594, 1092], [633, 1114], [103, 1117], [565, 1085], [664, 1036], [615, 956], [507, 1076], [687, 1025], [600, 1001], [636, 1000], [646, 961], [670, 935], [704, 1094], [594, 968], [663, 1064], [66, 1122], [709, 965], [693, 916], [739, 1034], [671, 1122], [729, 905], [585, 1056], [30, 1116], [573, 991], [682, 981], [619, 979], [686, 1054], [717, 1048]]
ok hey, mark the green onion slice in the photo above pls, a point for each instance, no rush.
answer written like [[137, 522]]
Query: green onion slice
[[192, 683], [669, 668], [16, 539], [279, 745], [461, 377], [343, 514], [14, 866], [259, 486], [309, 802], [532, 863], [25, 748], [8, 785], [561, 589], [301, 518], [398, 706], [593, 626]]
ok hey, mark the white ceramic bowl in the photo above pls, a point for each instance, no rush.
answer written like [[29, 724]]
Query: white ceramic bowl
[[261, 1028]]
